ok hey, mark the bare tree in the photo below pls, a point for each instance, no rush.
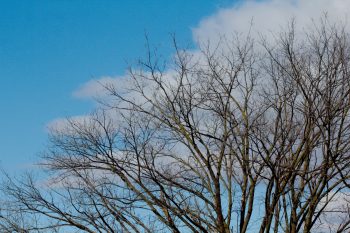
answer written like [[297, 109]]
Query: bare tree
[[243, 136]]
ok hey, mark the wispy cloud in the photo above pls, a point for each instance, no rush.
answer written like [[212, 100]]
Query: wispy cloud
[[96, 87]]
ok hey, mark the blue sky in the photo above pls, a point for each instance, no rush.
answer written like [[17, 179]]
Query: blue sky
[[50, 48]]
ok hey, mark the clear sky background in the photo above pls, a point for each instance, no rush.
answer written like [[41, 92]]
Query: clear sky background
[[49, 48]]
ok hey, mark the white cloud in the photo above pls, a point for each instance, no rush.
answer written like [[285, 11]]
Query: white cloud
[[268, 16], [96, 87], [128, 87], [262, 17], [60, 124]]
